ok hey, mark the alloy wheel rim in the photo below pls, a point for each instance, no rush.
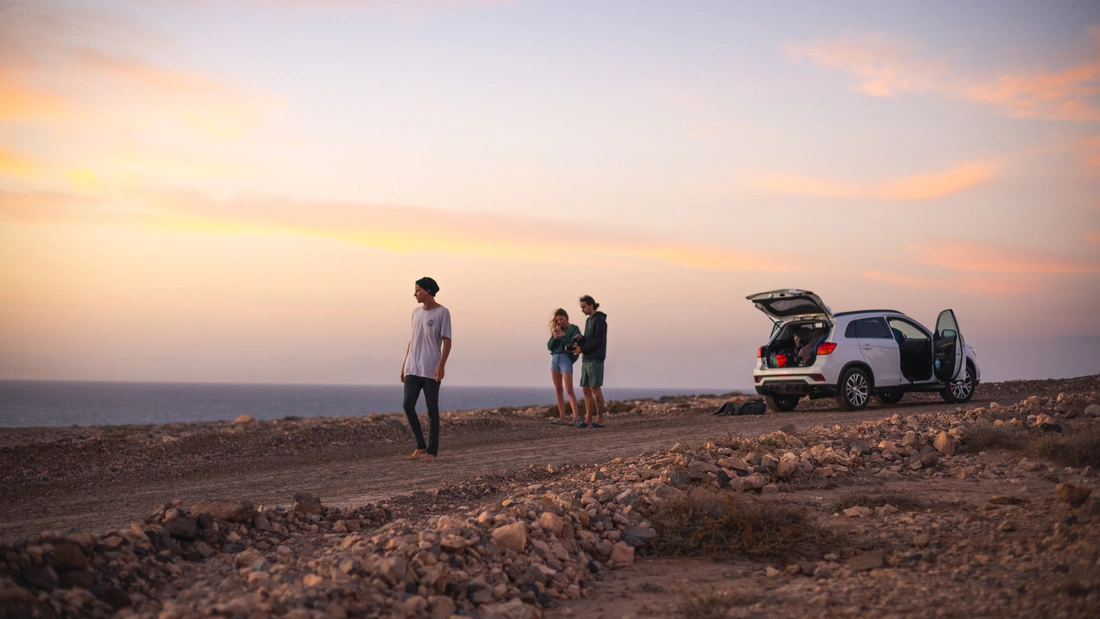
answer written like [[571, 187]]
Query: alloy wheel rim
[[961, 388], [856, 389]]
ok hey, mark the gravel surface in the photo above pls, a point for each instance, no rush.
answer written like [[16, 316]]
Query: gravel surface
[[494, 466]]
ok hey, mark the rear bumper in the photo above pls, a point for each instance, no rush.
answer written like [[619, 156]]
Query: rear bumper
[[793, 385]]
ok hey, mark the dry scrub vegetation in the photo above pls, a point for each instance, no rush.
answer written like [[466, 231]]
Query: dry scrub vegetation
[[724, 525]]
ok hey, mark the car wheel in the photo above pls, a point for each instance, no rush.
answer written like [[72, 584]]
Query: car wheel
[[890, 397], [855, 390], [781, 403], [960, 391]]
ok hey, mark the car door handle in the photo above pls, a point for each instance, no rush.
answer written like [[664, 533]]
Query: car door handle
[[867, 347]]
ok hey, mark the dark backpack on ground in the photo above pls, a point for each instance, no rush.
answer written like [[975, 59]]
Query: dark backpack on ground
[[749, 407]]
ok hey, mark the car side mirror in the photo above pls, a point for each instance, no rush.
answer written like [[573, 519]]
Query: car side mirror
[[948, 333]]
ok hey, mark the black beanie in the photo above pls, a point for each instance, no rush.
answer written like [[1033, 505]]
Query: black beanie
[[428, 285]]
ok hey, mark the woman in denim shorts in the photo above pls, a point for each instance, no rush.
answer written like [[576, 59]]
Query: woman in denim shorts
[[561, 363]]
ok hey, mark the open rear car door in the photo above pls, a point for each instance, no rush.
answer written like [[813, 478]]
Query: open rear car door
[[948, 348], [791, 304]]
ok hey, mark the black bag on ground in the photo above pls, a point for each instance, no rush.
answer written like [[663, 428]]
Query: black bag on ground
[[729, 408], [749, 407], [752, 407]]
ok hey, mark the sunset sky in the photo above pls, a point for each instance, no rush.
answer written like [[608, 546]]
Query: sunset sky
[[246, 190]]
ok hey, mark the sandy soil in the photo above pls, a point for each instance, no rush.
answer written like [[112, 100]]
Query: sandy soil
[[101, 478], [955, 550]]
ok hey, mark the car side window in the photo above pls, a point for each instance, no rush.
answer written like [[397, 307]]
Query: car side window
[[868, 328], [909, 332], [873, 328]]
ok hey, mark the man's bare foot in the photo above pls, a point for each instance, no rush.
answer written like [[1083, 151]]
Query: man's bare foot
[[416, 454], [428, 458]]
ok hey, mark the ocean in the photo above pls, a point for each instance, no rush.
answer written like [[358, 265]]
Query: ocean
[[63, 403]]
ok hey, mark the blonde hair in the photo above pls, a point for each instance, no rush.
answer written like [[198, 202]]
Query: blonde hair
[[554, 319]]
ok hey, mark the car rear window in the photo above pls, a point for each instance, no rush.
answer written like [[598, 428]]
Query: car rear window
[[791, 307]]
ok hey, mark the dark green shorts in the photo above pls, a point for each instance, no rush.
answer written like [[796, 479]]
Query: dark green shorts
[[592, 374]]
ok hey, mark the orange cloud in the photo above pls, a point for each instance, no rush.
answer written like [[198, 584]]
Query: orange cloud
[[974, 285], [885, 66], [919, 187], [1094, 238], [401, 229], [1090, 151], [990, 258], [55, 75], [403, 5], [14, 164], [20, 101]]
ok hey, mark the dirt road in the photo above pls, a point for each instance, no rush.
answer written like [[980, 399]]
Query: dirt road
[[76, 494]]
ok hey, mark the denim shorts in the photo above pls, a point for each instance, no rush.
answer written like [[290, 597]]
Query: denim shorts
[[559, 362]]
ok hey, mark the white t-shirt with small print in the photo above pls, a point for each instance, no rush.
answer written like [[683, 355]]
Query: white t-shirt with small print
[[429, 327]]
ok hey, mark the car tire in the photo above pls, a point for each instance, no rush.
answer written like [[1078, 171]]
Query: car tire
[[781, 403], [960, 391], [890, 397], [854, 390]]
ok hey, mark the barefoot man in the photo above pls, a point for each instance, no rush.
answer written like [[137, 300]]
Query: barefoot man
[[594, 347], [425, 357]]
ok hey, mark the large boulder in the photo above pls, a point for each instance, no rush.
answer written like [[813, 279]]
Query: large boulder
[[67, 557], [511, 536], [306, 503], [945, 444], [232, 511], [183, 527], [1074, 495]]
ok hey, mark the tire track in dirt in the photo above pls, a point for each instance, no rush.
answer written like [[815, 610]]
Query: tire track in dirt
[[354, 475]]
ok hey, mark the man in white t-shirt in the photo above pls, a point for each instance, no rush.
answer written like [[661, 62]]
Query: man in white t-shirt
[[425, 358]]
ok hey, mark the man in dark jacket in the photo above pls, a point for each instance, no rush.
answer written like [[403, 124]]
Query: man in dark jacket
[[595, 350]]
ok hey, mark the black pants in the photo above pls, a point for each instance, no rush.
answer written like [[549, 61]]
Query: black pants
[[413, 386]]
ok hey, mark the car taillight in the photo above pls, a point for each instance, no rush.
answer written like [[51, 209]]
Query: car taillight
[[781, 360], [826, 348], [760, 352]]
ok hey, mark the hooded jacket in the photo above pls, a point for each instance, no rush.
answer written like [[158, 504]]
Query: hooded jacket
[[595, 337]]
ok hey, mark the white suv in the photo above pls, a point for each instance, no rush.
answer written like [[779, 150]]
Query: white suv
[[853, 356]]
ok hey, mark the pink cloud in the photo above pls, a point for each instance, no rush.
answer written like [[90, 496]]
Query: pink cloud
[[973, 285], [885, 66], [1089, 151], [56, 72], [994, 258], [930, 186]]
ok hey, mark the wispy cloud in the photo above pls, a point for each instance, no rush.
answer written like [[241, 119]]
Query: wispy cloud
[[887, 65], [982, 269], [395, 228], [974, 285], [14, 164], [371, 4], [1089, 150], [70, 76], [993, 258], [929, 186]]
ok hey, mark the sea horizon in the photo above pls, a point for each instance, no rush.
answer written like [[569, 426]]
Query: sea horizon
[[28, 403]]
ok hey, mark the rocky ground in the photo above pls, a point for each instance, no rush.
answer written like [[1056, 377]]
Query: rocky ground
[[921, 509]]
